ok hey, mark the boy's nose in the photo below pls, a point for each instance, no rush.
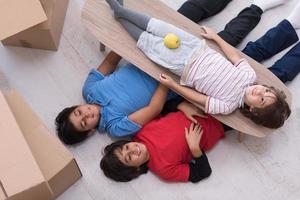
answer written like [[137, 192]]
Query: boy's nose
[[132, 151], [259, 92], [87, 115]]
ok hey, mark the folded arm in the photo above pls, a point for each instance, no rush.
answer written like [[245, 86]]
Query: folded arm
[[147, 113]]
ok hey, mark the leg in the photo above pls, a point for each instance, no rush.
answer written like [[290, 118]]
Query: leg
[[134, 17], [241, 137], [239, 27], [274, 41], [102, 47], [132, 29], [197, 10], [156, 27], [287, 68]]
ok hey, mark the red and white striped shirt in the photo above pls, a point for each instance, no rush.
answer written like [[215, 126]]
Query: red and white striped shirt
[[224, 83]]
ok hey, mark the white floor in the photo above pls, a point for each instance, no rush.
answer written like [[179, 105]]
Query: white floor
[[263, 169]]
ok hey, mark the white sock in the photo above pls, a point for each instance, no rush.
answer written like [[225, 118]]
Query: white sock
[[294, 17], [267, 4]]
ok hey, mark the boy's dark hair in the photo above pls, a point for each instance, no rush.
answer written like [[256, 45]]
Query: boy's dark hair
[[272, 116], [66, 131], [113, 168]]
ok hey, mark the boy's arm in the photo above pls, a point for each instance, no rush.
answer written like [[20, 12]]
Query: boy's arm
[[190, 94], [186, 92], [231, 53], [109, 63], [147, 113]]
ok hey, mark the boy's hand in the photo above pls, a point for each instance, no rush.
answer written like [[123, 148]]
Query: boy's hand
[[191, 111], [193, 136], [166, 80], [208, 33]]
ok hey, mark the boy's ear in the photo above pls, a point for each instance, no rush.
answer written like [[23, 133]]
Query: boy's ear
[[251, 108]]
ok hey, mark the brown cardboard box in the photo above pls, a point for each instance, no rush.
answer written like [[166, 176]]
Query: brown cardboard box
[[33, 162], [16, 18]]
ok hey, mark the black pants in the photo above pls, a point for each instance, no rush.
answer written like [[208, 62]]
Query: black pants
[[197, 10], [235, 30]]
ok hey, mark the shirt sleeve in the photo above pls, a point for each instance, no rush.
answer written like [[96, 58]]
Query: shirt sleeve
[[199, 169], [217, 106], [123, 127], [94, 77], [176, 173]]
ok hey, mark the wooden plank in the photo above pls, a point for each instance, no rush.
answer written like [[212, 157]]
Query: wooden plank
[[98, 18]]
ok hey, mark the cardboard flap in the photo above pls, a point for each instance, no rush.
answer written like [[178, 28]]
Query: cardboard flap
[[3, 194], [16, 16]]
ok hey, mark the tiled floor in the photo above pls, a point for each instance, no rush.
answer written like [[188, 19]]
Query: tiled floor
[[266, 168]]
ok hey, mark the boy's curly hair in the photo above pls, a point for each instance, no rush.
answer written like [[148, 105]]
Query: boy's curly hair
[[272, 116], [66, 131]]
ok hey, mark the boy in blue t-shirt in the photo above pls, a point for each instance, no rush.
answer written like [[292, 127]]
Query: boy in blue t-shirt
[[118, 102]]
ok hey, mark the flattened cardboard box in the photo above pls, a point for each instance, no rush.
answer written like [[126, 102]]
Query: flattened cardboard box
[[20, 23], [33, 162]]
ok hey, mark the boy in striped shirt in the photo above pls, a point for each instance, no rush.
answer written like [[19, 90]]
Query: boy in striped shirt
[[222, 84]]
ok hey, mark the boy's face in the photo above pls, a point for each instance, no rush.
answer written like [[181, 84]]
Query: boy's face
[[133, 154], [258, 96], [85, 117]]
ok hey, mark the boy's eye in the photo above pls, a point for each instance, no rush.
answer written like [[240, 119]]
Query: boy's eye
[[128, 157], [126, 147]]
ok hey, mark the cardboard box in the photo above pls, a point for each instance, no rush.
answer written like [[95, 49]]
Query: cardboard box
[[32, 23], [34, 165]]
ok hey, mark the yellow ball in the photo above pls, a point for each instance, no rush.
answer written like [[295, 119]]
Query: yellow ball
[[172, 41]]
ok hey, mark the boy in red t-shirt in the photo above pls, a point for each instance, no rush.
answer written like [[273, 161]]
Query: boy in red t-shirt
[[167, 147]]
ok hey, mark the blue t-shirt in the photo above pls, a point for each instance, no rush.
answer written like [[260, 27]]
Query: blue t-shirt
[[120, 94]]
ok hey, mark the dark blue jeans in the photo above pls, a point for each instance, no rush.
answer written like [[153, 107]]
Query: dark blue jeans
[[272, 42]]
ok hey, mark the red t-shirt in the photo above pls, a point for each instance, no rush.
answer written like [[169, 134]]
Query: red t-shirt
[[169, 152]]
